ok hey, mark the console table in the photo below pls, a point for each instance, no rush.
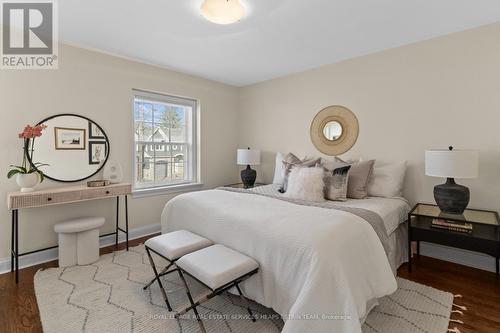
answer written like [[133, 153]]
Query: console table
[[59, 196]]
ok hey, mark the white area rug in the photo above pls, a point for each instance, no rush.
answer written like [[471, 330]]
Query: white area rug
[[108, 297]]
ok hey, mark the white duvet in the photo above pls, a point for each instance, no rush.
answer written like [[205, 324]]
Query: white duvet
[[319, 268]]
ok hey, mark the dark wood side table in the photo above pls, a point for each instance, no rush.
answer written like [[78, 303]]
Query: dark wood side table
[[485, 236]]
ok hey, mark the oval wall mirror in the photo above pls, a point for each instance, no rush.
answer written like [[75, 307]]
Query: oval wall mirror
[[73, 147], [334, 130]]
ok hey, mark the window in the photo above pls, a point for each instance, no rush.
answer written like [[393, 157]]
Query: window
[[165, 141]]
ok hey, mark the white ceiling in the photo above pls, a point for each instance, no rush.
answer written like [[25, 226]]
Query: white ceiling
[[277, 37]]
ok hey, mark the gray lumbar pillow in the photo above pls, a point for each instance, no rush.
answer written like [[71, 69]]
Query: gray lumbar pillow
[[336, 183]]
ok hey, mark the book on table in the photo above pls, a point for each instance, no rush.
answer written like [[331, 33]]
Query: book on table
[[452, 225]]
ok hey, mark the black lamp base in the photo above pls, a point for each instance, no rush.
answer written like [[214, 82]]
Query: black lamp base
[[451, 197], [248, 177]]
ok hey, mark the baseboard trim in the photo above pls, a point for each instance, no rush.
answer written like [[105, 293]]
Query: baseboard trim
[[49, 255], [457, 256]]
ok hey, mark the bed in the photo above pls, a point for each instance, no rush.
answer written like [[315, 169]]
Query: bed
[[322, 265]]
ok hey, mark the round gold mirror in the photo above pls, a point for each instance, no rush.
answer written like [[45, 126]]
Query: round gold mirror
[[334, 130]]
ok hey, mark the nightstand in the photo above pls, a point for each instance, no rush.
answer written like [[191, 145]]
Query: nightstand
[[484, 238], [240, 185]]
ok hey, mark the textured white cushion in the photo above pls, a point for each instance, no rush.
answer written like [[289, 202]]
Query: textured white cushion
[[217, 265], [279, 170], [79, 224], [175, 244], [387, 181], [306, 184]]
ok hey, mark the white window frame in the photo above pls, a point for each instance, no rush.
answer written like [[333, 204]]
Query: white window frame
[[159, 189]]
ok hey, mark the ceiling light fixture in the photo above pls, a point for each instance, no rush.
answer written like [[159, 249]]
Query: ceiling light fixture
[[222, 11]]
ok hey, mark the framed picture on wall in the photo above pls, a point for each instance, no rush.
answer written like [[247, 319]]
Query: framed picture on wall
[[69, 138], [95, 132], [97, 152]]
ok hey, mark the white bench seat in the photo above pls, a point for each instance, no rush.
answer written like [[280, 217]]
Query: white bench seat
[[219, 268], [171, 246], [217, 265], [174, 245]]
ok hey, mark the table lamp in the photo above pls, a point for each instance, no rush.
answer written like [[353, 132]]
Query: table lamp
[[451, 197], [248, 157]]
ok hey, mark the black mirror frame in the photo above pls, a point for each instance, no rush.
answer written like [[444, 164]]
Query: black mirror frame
[[27, 144]]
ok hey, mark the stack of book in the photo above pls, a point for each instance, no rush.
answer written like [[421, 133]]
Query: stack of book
[[452, 225]]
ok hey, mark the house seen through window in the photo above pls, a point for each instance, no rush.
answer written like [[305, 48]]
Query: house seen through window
[[165, 140]]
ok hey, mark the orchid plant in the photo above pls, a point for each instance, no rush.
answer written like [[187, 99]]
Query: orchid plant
[[28, 135]]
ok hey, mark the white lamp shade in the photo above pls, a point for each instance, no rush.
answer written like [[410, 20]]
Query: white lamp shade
[[222, 11], [248, 157], [452, 163]]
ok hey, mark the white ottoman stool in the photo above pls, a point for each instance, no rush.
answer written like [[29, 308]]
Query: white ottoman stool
[[171, 246], [219, 268], [79, 241]]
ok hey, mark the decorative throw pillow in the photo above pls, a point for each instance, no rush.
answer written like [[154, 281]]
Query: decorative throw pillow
[[291, 161], [332, 163], [388, 180], [359, 176], [336, 183], [306, 184]]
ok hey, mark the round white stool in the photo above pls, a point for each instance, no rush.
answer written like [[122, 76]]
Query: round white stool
[[79, 241]]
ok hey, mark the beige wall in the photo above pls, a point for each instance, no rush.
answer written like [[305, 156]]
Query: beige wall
[[425, 95], [100, 87], [432, 94]]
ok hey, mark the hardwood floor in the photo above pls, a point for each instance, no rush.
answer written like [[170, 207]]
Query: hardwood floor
[[18, 308], [480, 290]]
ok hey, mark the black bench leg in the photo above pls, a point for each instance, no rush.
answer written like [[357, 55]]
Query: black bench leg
[[243, 298], [202, 327], [157, 277], [161, 274]]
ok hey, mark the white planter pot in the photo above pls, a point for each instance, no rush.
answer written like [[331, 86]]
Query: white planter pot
[[27, 181]]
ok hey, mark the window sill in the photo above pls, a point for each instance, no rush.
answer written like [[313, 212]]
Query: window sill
[[162, 190]]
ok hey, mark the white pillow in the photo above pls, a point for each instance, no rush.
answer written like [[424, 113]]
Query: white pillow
[[306, 184], [387, 181], [279, 170]]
